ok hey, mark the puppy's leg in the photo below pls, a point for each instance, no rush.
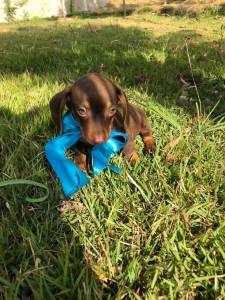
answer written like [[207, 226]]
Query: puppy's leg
[[146, 135], [130, 152], [80, 160]]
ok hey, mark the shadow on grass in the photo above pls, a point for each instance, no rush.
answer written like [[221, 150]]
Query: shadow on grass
[[40, 257], [221, 10], [137, 59]]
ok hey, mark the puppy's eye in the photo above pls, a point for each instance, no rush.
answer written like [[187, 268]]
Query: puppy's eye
[[82, 111], [112, 111]]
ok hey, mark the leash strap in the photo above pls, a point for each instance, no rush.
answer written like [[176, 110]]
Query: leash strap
[[27, 182]]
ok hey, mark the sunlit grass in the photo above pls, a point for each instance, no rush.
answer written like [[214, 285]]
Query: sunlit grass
[[158, 228]]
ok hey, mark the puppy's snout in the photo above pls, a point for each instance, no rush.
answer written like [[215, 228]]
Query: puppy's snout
[[99, 139]]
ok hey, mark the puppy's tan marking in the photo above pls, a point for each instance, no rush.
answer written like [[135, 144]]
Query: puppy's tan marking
[[149, 143]]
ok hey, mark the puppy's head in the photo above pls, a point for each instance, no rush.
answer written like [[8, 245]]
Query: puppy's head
[[94, 102]]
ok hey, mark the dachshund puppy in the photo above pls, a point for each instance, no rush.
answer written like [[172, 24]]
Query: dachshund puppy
[[99, 106]]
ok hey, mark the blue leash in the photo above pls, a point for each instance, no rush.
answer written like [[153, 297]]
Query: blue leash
[[70, 176]]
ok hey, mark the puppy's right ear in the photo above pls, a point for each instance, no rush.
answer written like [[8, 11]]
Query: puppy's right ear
[[57, 105]]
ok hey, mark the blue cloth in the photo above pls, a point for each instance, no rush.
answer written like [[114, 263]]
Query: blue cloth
[[69, 175]]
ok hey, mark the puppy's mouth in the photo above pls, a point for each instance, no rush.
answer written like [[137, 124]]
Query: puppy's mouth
[[96, 140]]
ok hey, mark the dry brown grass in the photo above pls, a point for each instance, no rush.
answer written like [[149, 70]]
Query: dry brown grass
[[177, 7]]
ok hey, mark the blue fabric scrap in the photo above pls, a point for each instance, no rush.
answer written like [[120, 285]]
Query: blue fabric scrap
[[70, 176]]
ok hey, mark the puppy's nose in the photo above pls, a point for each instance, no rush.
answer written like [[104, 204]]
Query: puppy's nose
[[99, 139]]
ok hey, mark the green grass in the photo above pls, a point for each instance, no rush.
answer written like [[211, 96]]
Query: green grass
[[158, 230]]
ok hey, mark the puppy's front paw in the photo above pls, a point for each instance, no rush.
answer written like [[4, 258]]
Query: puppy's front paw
[[81, 165], [132, 157], [149, 145], [80, 161]]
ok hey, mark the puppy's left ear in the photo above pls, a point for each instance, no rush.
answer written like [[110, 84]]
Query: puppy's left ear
[[123, 105]]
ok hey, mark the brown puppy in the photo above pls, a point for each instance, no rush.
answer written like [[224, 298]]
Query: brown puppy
[[100, 106]]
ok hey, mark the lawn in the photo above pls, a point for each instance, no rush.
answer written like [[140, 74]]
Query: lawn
[[157, 231]]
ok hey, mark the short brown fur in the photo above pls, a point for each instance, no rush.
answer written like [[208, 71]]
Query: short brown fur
[[99, 106]]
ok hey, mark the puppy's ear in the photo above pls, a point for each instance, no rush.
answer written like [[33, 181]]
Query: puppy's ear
[[123, 105], [57, 104]]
